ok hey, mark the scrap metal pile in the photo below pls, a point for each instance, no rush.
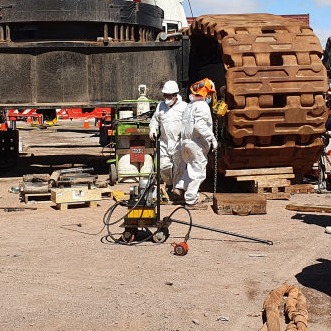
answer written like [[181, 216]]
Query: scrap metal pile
[[35, 184]]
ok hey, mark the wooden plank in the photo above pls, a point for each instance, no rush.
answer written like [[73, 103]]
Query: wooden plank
[[279, 182], [278, 196], [259, 171], [92, 204], [164, 195], [309, 208], [61, 206], [263, 177]]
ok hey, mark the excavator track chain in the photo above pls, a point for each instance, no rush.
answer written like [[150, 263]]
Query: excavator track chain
[[275, 82]]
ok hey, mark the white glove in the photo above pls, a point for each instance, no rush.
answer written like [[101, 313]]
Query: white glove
[[152, 134], [214, 145]]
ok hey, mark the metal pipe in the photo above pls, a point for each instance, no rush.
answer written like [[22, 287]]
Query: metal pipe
[[269, 242], [164, 36]]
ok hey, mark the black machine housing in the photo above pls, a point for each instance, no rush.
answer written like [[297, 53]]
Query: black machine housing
[[84, 53]]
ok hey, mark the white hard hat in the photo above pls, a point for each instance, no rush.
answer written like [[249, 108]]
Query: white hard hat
[[170, 87]]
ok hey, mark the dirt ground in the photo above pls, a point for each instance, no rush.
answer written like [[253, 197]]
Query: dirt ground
[[58, 271]]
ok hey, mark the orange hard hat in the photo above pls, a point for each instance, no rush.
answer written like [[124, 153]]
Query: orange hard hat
[[203, 87]]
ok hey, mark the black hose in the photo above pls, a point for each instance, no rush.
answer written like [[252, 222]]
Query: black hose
[[169, 219]]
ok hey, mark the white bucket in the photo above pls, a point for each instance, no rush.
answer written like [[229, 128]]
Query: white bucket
[[124, 168], [125, 114]]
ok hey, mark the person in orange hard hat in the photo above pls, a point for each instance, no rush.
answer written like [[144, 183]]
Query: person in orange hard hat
[[196, 139]]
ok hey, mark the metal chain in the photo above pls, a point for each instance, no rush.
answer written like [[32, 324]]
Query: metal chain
[[215, 156], [322, 172]]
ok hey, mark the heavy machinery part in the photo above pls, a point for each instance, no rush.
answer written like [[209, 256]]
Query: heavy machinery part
[[327, 57], [161, 235], [180, 248], [129, 235], [174, 14], [275, 81], [112, 174], [83, 53]]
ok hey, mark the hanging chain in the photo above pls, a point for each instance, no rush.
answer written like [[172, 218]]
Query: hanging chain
[[215, 156]]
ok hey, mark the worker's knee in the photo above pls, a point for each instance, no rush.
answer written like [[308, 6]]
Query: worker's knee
[[165, 163]]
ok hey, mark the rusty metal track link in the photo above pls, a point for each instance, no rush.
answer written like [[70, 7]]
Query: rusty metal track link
[[275, 86]]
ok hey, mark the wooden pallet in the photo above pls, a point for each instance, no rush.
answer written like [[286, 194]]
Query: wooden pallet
[[272, 182], [273, 189], [65, 205], [73, 196], [36, 196], [300, 188]]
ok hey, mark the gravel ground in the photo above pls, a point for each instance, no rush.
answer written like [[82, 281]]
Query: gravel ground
[[58, 271]]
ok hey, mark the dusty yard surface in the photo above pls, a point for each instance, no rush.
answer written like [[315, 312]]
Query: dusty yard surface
[[58, 271]]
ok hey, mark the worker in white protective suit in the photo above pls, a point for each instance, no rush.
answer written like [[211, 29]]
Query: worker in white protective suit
[[196, 139], [167, 121]]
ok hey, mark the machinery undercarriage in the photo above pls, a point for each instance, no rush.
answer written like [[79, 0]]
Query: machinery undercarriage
[[275, 86]]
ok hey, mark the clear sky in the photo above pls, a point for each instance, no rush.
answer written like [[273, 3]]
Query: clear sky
[[319, 10]]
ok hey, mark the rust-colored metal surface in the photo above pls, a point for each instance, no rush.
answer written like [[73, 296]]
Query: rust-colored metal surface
[[275, 89]]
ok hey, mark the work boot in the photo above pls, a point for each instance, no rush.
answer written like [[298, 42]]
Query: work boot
[[168, 188], [177, 194], [196, 206]]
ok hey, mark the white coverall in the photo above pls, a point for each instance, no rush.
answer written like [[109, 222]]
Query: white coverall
[[196, 137], [169, 121]]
